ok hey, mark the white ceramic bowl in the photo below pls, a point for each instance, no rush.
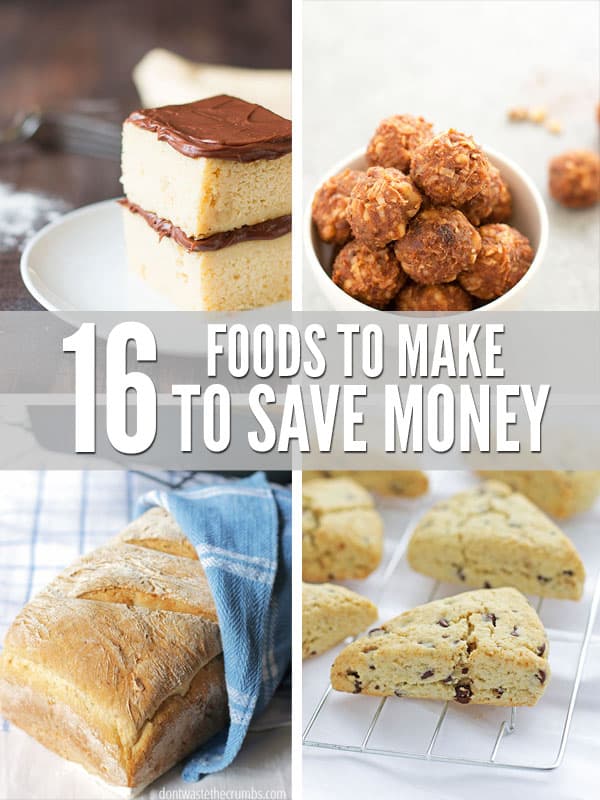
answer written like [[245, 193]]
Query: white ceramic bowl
[[529, 216]]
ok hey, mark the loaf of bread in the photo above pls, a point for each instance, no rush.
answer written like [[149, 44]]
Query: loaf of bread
[[117, 665]]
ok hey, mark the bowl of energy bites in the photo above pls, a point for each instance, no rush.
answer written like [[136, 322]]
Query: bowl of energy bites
[[425, 221]]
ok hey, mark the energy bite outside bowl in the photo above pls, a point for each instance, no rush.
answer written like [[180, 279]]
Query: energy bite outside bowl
[[528, 215]]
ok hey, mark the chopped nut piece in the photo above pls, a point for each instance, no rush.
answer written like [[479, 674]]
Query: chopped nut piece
[[518, 113], [372, 276], [538, 114], [504, 258], [574, 178], [440, 243], [395, 139], [554, 126], [382, 202]]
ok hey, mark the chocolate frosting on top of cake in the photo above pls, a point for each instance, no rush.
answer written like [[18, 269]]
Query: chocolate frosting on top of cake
[[269, 229], [219, 127]]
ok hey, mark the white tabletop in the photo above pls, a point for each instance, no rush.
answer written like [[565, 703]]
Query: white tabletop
[[462, 65]]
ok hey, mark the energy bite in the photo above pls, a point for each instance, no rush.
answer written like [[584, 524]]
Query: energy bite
[[382, 202], [207, 213], [392, 483], [371, 276], [395, 139], [559, 493], [342, 533], [492, 204], [450, 168], [330, 614], [503, 207], [504, 257], [439, 243], [440, 297], [493, 536], [574, 178], [484, 647], [330, 205]]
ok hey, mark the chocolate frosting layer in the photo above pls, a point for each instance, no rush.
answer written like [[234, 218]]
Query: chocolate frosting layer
[[219, 127], [270, 229]]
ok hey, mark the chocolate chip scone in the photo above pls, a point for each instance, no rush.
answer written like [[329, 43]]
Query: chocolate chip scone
[[561, 493], [330, 614], [484, 647], [493, 536], [393, 483], [342, 534]]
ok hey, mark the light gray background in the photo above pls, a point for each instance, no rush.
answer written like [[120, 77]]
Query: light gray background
[[462, 64]]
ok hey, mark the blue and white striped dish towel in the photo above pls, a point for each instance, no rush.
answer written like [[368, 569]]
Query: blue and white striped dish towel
[[242, 533]]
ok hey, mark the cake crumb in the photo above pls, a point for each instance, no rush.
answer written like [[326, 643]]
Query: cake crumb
[[554, 126], [518, 114], [537, 114]]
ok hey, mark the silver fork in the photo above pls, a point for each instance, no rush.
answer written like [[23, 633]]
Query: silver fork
[[65, 131]]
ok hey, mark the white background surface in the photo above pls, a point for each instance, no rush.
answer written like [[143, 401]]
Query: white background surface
[[462, 64], [468, 731]]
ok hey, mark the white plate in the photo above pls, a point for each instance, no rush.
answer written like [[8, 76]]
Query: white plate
[[78, 263]]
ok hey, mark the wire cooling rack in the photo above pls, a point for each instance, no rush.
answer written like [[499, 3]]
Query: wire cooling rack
[[532, 738]]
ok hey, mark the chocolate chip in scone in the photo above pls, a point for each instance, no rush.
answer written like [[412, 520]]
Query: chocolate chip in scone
[[427, 674], [443, 622], [398, 693], [568, 572], [357, 682], [541, 676], [541, 650], [491, 618], [448, 679], [377, 687], [499, 691], [515, 631], [543, 579], [463, 693], [471, 646], [487, 585], [371, 666], [464, 670]]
